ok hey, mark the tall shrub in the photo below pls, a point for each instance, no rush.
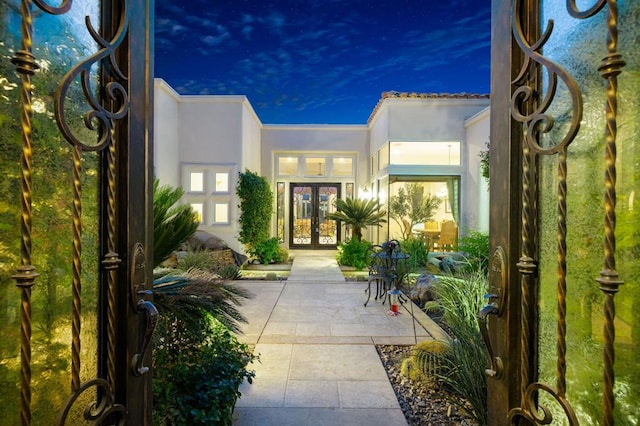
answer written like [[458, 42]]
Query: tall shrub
[[256, 208]]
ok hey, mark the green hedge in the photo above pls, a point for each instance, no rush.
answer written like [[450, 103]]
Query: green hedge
[[196, 382]]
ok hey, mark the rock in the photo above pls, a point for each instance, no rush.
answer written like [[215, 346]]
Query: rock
[[423, 290], [203, 240]]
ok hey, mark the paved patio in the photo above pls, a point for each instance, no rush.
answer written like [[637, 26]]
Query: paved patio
[[318, 361]]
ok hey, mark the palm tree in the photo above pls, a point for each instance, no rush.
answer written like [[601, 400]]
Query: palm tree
[[173, 223], [358, 214], [192, 295]]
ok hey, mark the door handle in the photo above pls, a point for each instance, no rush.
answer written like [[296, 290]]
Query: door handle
[[138, 291], [496, 365], [498, 291], [151, 314]]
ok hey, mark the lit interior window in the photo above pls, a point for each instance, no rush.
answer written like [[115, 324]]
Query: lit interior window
[[315, 166], [287, 166], [199, 209], [197, 182], [383, 155], [425, 153], [343, 167], [222, 182], [221, 211]]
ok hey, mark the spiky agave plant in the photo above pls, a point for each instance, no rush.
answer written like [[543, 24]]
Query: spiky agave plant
[[358, 214]]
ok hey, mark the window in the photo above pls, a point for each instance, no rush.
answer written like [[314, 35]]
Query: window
[[374, 164], [315, 166], [221, 213], [349, 190], [280, 210], [425, 153], [196, 182], [198, 209], [383, 154], [222, 182], [343, 166], [287, 166]]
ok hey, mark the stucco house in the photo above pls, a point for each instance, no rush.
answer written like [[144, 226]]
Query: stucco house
[[202, 142]]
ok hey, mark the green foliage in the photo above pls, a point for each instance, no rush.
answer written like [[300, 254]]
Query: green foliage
[[230, 272], [462, 369], [353, 253], [358, 214], [418, 252], [410, 207], [485, 160], [196, 380], [256, 209], [193, 295], [269, 251], [173, 223], [475, 245]]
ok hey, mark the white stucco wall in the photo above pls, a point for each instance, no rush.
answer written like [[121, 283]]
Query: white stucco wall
[[431, 119], [317, 139], [251, 140], [211, 129], [166, 126], [477, 195]]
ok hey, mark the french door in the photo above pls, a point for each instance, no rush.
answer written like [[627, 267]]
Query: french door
[[563, 322], [75, 253], [309, 226]]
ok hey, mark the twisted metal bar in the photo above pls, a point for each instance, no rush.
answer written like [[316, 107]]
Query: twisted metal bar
[[77, 269], [527, 267], [561, 343], [26, 274], [609, 280], [111, 263]]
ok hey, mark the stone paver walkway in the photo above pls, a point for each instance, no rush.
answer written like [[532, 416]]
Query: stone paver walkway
[[318, 361]]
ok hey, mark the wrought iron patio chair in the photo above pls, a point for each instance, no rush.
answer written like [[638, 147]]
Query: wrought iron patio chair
[[379, 272]]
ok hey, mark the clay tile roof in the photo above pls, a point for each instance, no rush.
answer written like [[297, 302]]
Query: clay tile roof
[[414, 95]]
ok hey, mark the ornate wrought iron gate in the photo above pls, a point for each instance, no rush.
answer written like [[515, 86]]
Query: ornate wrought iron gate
[[84, 194], [562, 327]]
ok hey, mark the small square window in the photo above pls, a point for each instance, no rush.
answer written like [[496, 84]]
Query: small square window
[[198, 209], [196, 183], [222, 182], [221, 212]]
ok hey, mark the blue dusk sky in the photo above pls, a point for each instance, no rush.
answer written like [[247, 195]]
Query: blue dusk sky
[[322, 61]]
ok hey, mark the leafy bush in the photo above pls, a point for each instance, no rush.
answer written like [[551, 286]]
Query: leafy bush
[[268, 251], [353, 253], [196, 381], [256, 207], [475, 245]]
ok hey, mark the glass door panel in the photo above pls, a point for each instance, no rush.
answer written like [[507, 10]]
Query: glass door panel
[[301, 215], [310, 204], [327, 228]]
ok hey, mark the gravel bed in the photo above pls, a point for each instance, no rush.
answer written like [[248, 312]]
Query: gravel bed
[[423, 403]]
